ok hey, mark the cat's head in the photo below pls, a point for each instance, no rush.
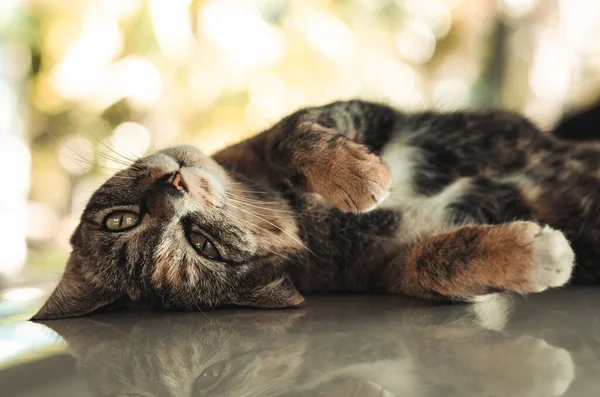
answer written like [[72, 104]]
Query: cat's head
[[185, 355], [177, 231]]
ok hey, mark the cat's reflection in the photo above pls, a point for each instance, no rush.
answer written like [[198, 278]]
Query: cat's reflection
[[362, 348]]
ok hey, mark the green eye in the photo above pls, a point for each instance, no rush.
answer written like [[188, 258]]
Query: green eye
[[119, 221], [202, 245]]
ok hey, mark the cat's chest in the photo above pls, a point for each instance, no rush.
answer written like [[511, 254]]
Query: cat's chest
[[422, 188], [404, 162]]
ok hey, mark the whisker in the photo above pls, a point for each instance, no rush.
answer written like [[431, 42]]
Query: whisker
[[258, 204], [85, 142], [262, 208], [69, 149], [123, 157], [253, 200], [266, 193], [82, 158], [101, 154], [191, 293], [80, 161], [133, 157], [250, 191], [277, 227], [253, 225], [108, 174], [131, 178], [114, 160]]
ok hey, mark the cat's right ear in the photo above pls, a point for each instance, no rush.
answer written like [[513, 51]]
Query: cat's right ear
[[74, 295]]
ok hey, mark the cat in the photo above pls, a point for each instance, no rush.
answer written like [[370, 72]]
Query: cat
[[306, 353], [352, 196]]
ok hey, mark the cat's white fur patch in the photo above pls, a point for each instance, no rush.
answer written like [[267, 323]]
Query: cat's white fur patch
[[402, 160], [481, 298], [420, 212], [491, 311], [552, 262]]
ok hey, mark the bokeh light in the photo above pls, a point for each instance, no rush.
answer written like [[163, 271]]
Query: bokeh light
[[76, 155], [239, 32], [130, 140]]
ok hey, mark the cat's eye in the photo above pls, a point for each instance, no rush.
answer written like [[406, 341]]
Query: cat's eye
[[121, 220], [208, 379], [203, 246]]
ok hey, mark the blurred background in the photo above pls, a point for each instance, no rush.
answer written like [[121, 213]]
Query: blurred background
[[81, 78]]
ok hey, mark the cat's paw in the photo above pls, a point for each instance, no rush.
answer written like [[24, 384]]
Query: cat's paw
[[543, 369], [350, 177], [552, 258]]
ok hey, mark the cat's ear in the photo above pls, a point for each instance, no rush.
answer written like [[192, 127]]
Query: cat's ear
[[278, 293], [74, 295], [84, 335]]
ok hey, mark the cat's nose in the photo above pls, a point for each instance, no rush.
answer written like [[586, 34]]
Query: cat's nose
[[176, 179]]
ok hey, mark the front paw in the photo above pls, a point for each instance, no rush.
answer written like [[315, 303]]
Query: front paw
[[552, 260], [348, 176], [550, 257]]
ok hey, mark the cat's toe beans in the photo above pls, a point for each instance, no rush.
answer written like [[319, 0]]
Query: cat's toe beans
[[552, 260]]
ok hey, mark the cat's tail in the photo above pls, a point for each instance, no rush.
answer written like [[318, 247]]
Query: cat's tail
[[581, 125]]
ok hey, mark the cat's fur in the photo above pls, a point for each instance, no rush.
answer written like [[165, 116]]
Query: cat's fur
[[290, 211]]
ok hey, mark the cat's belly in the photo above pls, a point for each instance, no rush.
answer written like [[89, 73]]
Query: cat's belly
[[420, 212]]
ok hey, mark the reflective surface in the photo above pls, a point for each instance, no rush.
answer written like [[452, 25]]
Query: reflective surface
[[359, 346]]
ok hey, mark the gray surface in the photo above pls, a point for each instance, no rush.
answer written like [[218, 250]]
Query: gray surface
[[359, 346]]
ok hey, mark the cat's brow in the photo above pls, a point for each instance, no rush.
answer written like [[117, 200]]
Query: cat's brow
[[90, 221], [98, 207]]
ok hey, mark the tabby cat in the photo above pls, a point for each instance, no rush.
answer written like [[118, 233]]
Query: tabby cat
[[352, 196]]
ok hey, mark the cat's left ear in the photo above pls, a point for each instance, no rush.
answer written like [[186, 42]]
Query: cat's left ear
[[75, 296], [278, 293]]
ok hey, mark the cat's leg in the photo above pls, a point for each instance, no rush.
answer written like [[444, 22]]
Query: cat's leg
[[345, 173], [368, 123], [563, 190], [331, 150], [473, 261]]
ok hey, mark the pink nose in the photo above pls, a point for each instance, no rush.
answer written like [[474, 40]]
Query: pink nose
[[176, 179]]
